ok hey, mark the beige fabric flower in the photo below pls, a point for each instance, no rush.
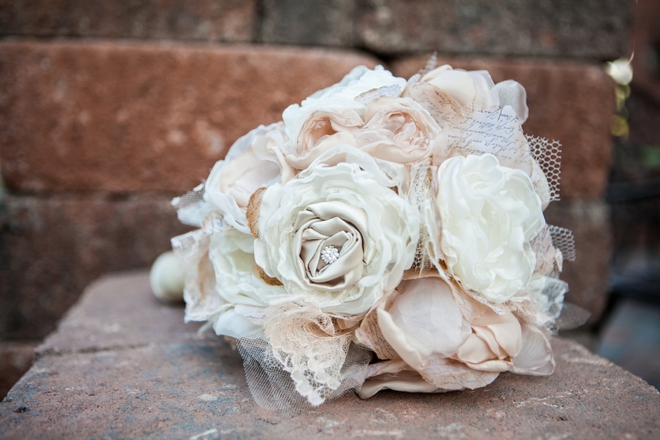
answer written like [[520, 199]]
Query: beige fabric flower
[[397, 130], [475, 90], [337, 234], [476, 344]]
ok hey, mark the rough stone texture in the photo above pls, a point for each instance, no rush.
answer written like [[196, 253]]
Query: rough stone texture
[[119, 311], [569, 102], [597, 29], [125, 117], [207, 20], [51, 248], [327, 23], [15, 359], [177, 387], [588, 277]]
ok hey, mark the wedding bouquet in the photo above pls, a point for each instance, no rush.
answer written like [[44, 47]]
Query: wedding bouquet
[[386, 234]]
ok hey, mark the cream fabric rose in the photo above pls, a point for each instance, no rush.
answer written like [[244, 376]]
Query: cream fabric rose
[[337, 234], [397, 129], [330, 116], [476, 90], [245, 169], [489, 215], [238, 284]]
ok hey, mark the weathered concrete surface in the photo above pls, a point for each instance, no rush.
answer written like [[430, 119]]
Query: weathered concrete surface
[[206, 20], [52, 248], [122, 117], [568, 101], [119, 311], [122, 386]]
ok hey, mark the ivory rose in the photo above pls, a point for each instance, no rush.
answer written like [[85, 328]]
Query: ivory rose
[[489, 215], [338, 234], [245, 169]]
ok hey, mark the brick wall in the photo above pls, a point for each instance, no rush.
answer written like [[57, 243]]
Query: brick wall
[[109, 108]]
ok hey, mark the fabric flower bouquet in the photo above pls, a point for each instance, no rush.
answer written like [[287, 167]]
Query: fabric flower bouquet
[[386, 234]]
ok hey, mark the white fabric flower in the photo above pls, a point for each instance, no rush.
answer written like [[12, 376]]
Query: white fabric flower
[[238, 283], [245, 169], [342, 201], [489, 215]]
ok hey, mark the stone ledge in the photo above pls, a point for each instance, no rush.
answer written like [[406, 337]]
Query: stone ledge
[[205, 20], [568, 101], [52, 248], [128, 117], [597, 29], [180, 388]]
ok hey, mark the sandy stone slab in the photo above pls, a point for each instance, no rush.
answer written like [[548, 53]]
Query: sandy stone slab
[[568, 101], [119, 311], [186, 389], [123, 366]]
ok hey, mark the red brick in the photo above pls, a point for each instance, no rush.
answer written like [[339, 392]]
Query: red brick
[[588, 277], [132, 117], [207, 20], [179, 389], [570, 102], [51, 248]]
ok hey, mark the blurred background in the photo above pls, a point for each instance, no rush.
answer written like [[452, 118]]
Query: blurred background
[[108, 109]]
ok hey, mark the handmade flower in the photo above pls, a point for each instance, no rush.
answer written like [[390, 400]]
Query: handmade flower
[[476, 90], [238, 284], [397, 130], [337, 235], [245, 169], [489, 215], [330, 117]]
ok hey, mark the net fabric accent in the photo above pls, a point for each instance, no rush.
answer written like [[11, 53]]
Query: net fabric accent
[[274, 387], [191, 207], [313, 347], [563, 240], [548, 154]]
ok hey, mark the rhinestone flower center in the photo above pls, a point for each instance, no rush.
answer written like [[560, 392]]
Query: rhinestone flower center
[[329, 254]]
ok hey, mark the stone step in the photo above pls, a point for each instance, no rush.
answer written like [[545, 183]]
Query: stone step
[[596, 29], [127, 117], [52, 247], [121, 365]]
